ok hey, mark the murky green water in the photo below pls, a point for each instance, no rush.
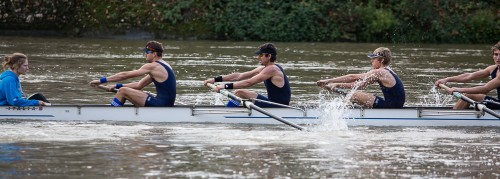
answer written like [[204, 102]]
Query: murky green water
[[61, 69]]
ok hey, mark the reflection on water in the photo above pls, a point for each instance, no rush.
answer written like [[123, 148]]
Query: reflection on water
[[200, 150], [61, 69]]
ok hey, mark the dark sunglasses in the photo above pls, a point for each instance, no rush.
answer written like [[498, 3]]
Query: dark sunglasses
[[148, 50]]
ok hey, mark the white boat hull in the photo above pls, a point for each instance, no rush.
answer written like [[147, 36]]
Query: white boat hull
[[409, 116]]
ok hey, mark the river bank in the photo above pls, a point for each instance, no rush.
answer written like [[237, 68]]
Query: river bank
[[405, 21]]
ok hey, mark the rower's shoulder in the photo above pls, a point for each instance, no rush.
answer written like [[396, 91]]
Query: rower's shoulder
[[380, 71], [271, 69], [155, 64], [491, 68]]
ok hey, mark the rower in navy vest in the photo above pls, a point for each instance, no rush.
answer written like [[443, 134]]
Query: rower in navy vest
[[272, 74], [478, 93], [389, 82], [157, 71]]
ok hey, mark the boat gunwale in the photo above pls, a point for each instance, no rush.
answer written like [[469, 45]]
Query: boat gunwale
[[222, 106]]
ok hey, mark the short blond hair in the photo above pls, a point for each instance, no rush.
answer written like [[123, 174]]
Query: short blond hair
[[495, 47], [385, 53]]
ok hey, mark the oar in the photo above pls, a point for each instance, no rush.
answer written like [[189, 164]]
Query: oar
[[106, 88], [341, 92], [250, 105], [116, 90], [480, 106]]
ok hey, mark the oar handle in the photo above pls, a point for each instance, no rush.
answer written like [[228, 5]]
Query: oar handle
[[228, 94], [106, 88], [456, 94], [444, 86], [212, 86]]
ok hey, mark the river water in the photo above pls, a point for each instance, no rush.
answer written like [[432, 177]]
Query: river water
[[62, 67]]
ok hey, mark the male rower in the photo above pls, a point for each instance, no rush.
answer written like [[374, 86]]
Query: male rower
[[478, 93], [157, 71], [389, 82], [272, 74]]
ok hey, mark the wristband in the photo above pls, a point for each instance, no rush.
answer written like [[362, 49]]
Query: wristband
[[228, 86], [118, 85], [218, 79], [103, 80]]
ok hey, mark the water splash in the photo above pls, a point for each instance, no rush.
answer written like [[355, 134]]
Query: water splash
[[333, 112], [218, 99], [436, 98]]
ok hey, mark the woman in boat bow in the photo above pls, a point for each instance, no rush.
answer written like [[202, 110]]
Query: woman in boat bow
[[11, 93], [389, 82]]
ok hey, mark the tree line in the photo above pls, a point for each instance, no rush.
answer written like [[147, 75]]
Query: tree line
[[389, 21]]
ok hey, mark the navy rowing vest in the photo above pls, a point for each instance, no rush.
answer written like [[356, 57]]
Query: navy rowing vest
[[166, 90], [279, 95], [493, 76], [396, 94]]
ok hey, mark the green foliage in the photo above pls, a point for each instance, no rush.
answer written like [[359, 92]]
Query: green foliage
[[397, 21], [37, 14], [481, 24], [270, 20], [374, 23]]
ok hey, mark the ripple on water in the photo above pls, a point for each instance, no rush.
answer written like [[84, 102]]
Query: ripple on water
[[39, 131]]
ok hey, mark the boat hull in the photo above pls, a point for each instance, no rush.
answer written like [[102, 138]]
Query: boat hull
[[409, 116]]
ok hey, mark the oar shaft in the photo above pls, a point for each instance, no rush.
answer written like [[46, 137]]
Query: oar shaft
[[257, 108], [250, 105]]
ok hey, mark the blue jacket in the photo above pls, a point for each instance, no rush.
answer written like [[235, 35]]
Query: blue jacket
[[10, 91]]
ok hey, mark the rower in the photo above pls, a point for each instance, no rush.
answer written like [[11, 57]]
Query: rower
[[478, 93], [272, 74], [389, 82], [157, 71]]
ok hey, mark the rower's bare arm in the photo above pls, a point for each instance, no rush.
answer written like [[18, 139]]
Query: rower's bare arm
[[342, 79], [236, 76], [145, 69], [468, 76], [491, 85], [260, 77], [141, 83], [363, 79], [144, 82], [346, 81], [244, 75]]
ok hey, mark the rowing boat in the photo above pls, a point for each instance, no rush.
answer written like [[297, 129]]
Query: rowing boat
[[408, 116]]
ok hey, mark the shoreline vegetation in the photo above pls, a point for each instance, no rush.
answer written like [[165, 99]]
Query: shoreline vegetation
[[405, 21]]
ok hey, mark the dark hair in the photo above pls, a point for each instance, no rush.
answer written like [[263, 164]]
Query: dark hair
[[14, 61], [155, 47], [495, 47], [268, 48]]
